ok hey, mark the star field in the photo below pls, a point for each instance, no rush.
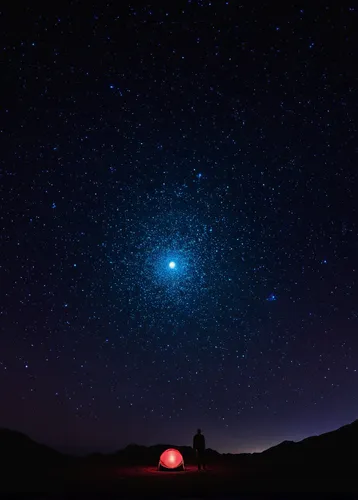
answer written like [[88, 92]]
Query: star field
[[178, 220]]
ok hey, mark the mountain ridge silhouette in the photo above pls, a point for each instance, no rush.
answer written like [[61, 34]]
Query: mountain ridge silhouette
[[18, 446]]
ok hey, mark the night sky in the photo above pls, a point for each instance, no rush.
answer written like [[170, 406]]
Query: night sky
[[178, 213]]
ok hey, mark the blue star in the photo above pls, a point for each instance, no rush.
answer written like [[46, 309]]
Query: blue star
[[172, 264]]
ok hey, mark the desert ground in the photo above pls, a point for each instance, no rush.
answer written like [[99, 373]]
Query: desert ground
[[217, 482]]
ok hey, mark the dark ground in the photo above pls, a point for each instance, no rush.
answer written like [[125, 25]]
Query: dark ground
[[81, 480]]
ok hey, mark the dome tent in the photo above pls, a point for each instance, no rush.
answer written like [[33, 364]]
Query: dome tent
[[171, 460]]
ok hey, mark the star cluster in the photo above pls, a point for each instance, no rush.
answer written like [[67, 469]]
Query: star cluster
[[178, 218], [172, 260]]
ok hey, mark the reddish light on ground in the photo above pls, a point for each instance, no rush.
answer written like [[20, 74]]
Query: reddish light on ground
[[171, 459]]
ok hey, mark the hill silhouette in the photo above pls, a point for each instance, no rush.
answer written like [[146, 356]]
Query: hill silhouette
[[18, 448], [326, 460], [334, 446]]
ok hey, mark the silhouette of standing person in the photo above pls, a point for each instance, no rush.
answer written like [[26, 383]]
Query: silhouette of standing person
[[199, 447]]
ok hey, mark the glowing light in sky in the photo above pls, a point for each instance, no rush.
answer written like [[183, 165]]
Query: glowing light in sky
[[172, 264]]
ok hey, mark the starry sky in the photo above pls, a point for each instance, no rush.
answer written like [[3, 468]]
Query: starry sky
[[178, 222]]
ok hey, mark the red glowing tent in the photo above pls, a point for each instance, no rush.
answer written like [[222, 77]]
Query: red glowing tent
[[171, 460]]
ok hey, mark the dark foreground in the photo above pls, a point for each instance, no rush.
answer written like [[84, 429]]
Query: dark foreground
[[219, 481], [318, 467]]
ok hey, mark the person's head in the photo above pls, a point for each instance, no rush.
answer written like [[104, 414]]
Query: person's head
[[199, 431]]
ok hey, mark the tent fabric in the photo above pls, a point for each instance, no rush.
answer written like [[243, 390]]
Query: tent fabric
[[171, 459]]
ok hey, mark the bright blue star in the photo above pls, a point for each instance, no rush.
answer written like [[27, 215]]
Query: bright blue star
[[172, 264]]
